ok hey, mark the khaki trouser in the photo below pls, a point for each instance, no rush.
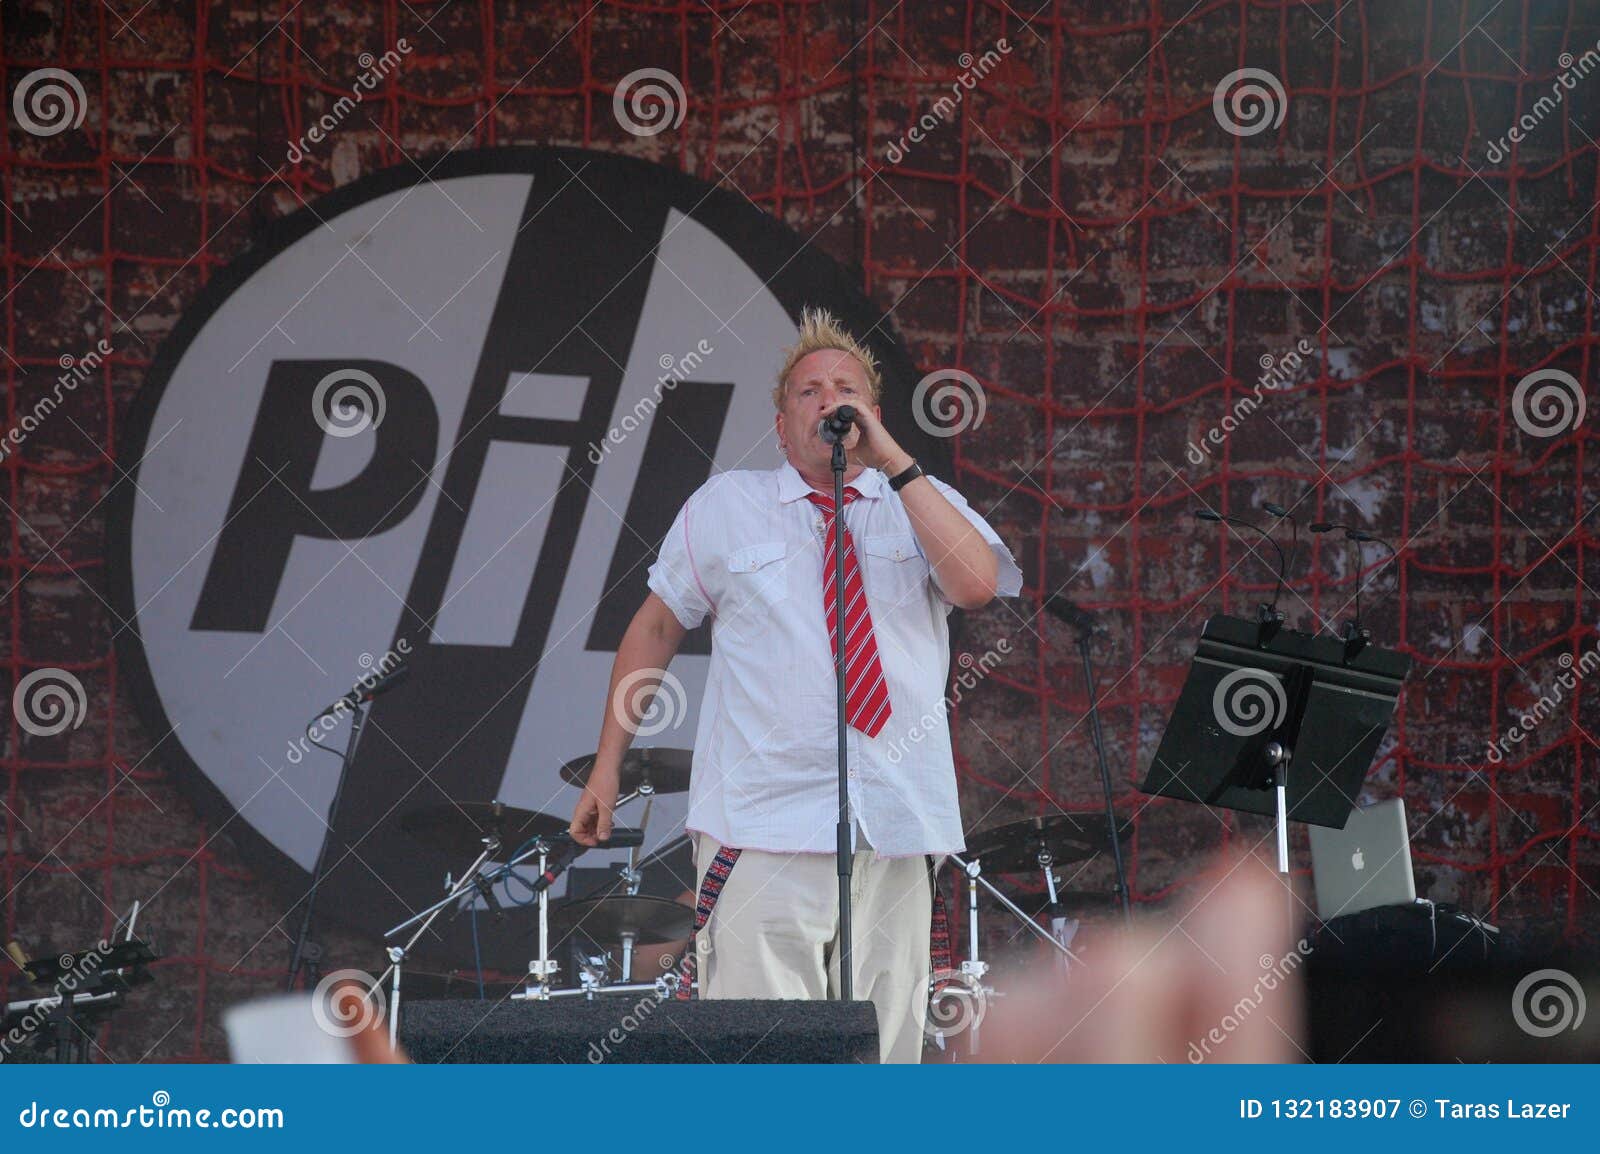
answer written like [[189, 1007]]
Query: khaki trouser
[[774, 933]]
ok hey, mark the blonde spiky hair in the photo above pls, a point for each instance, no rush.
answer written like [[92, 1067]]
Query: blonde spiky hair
[[819, 330]]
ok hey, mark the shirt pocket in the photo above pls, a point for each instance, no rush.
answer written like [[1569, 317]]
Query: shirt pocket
[[896, 571], [758, 584]]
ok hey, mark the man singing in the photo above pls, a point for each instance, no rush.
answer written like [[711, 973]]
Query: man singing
[[755, 551]]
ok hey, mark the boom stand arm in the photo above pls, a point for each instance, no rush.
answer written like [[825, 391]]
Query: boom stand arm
[[397, 954]]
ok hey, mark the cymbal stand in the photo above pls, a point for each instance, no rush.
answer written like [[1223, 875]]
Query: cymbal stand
[[671, 847], [1062, 928], [973, 969], [397, 954], [628, 938], [631, 874], [545, 967]]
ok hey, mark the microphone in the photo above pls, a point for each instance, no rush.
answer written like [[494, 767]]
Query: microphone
[[836, 425], [557, 866], [365, 690], [1359, 535], [1283, 567], [1350, 533], [1068, 613]]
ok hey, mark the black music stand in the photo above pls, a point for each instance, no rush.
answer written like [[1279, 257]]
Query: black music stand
[[87, 987], [1275, 721]]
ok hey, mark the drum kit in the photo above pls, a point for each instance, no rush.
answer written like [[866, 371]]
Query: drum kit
[[506, 840], [603, 933]]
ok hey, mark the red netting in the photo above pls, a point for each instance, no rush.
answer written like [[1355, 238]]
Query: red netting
[[1079, 233]]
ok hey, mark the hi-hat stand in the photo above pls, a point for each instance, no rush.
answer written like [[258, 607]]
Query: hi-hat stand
[[973, 967]]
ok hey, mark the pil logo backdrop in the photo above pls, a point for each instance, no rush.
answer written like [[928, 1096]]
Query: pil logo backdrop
[[450, 418]]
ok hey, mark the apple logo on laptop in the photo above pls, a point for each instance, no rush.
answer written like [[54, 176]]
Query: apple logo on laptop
[[1356, 861]]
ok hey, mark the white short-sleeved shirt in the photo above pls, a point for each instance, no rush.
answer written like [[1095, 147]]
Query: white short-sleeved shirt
[[746, 549]]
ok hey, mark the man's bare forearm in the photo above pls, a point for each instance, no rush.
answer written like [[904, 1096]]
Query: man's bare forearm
[[960, 557], [651, 641]]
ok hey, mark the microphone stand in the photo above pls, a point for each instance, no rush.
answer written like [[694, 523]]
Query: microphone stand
[[844, 848], [1085, 631], [301, 957]]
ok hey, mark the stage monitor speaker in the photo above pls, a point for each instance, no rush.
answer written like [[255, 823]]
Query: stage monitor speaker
[[636, 1028]]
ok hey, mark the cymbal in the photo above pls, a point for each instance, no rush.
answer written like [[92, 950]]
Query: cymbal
[[1065, 837], [667, 770], [604, 920], [460, 827]]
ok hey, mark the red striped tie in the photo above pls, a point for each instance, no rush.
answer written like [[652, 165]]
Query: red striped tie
[[866, 695]]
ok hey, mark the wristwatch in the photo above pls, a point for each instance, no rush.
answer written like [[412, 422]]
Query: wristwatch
[[905, 476]]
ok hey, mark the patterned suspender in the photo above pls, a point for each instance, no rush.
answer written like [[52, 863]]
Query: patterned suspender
[[710, 889], [941, 957]]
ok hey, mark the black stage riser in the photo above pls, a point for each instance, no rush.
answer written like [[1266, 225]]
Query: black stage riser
[[636, 1028]]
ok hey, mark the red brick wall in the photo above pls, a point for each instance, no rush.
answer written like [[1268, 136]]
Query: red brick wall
[[1082, 235]]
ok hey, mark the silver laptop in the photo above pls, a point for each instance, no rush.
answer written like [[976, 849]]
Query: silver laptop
[[1365, 864]]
